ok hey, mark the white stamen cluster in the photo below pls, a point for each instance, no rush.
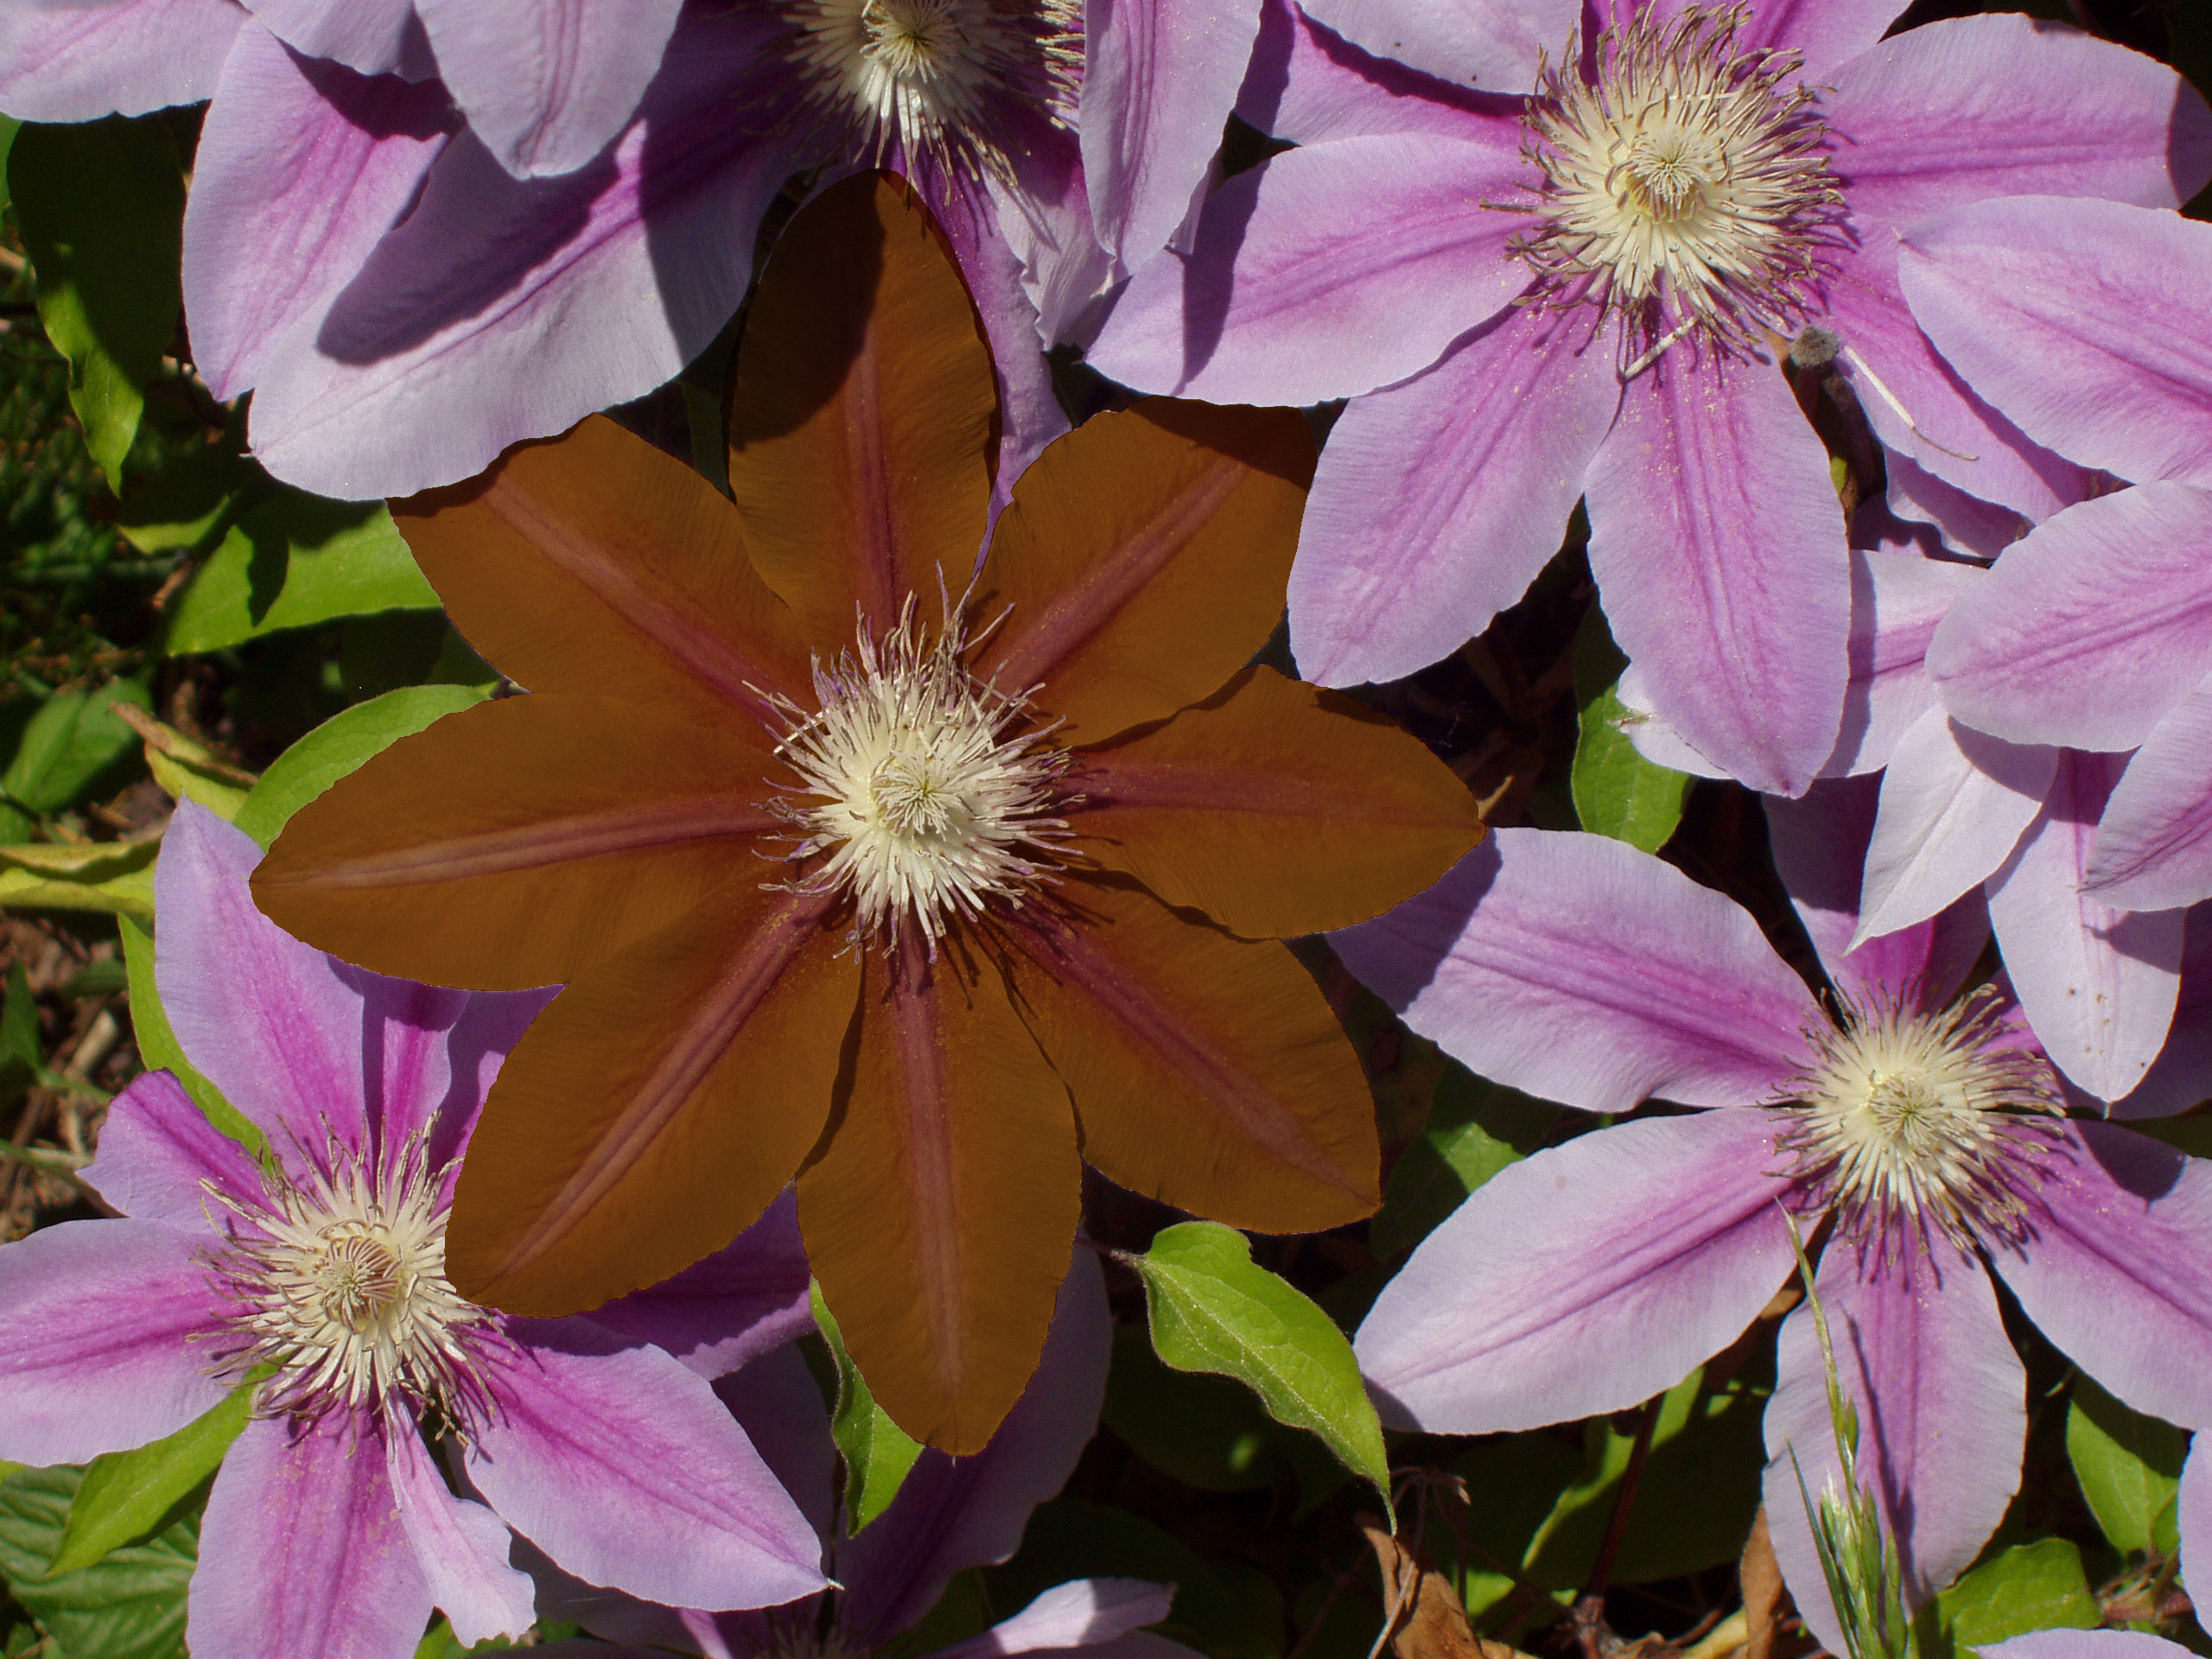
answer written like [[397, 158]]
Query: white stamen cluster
[[1683, 188], [927, 799], [1907, 1122], [935, 78], [339, 1282]]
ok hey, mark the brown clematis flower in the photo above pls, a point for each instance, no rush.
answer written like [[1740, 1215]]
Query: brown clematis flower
[[919, 899]]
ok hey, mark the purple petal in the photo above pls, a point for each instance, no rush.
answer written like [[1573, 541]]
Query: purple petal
[[1654, 740], [504, 309], [460, 1546], [1969, 108], [1920, 408], [622, 1466], [1966, 523], [301, 166], [1082, 1613], [371, 37], [1493, 44], [955, 1513], [779, 1404], [2182, 1076], [2114, 1271], [2083, 1644], [2153, 846], [1718, 545], [2089, 630], [1308, 83], [1439, 499], [1954, 804], [79, 62], [2194, 1511], [1586, 1278], [1824, 33], [547, 84], [2098, 984], [1898, 599], [1158, 80], [97, 1322], [155, 1148], [2082, 321], [746, 1298], [1920, 1350], [1576, 968], [1819, 843], [1324, 273], [301, 1550]]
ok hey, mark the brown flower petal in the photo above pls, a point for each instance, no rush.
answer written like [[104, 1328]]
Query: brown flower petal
[[1277, 808], [511, 843], [595, 564], [1144, 556], [938, 1214], [656, 1106], [863, 412], [1207, 1072]]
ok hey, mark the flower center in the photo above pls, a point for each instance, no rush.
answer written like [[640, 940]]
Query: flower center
[[1910, 1121], [914, 780], [1683, 188], [338, 1281], [936, 77]]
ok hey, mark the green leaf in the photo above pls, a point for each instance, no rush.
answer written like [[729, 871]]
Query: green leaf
[[157, 1044], [1214, 1309], [1616, 792], [294, 561], [879, 1454], [339, 745], [68, 743], [2129, 1465], [113, 876], [9, 128], [178, 506], [2038, 1586], [130, 1606], [1475, 1129], [127, 1496], [21, 1051], [101, 205]]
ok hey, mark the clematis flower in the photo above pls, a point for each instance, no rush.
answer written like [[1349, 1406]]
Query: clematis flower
[[2085, 322], [919, 910], [330, 1529], [1920, 1130], [1587, 294], [950, 1514]]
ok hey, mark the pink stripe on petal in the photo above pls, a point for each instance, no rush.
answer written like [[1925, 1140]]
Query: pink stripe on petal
[[1920, 1350], [460, 1546], [1576, 968], [79, 62], [1718, 545], [1826, 34], [371, 37], [1585, 1279], [2114, 1271], [2098, 984], [98, 1322], [301, 1550], [155, 1148]]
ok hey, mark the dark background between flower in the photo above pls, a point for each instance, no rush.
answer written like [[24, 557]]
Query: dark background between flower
[[238, 614]]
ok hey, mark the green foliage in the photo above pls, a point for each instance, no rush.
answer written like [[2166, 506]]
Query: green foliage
[[1214, 1309], [1616, 792], [21, 1052], [339, 746], [68, 744], [101, 203], [127, 1496], [2038, 1586], [292, 562], [1206, 1431], [157, 1044], [116, 877], [1475, 1129], [131, 1606], [2129, 1466], [879, 1455]]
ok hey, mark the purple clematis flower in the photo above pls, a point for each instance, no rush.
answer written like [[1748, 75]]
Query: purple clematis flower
[[1922, 1132], [952, 1514], [330, 1529], [1584, 293], [2087, 322], [409, 287], [546, 84]]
